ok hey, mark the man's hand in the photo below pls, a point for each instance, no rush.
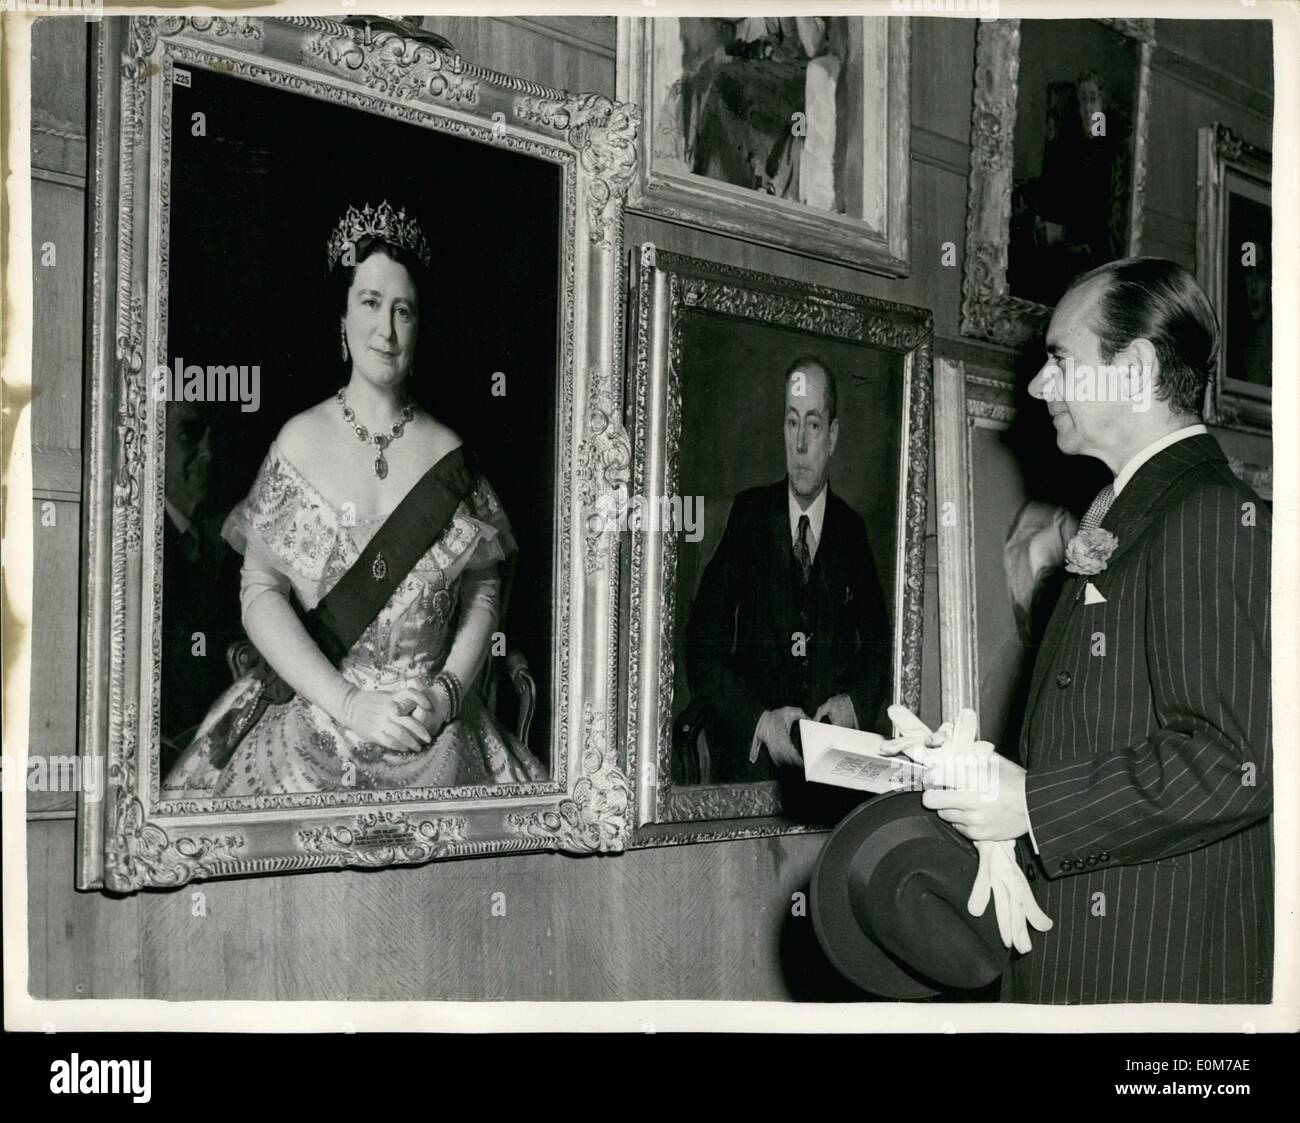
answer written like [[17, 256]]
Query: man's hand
[[839, 708], [960, 770], [990, 809], [773, 730]]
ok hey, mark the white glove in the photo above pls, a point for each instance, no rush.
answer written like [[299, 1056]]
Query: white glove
[[999, 875], [953, 758], [915, 740]]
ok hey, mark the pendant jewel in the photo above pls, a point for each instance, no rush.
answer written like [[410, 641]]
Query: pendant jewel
[[380, 440]]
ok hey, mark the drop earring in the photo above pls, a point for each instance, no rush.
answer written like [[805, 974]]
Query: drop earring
[[343, 343]]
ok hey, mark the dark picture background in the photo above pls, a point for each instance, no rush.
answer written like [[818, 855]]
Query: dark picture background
[[1248, 331], [1070, 194], [733, 411], [253, 203]]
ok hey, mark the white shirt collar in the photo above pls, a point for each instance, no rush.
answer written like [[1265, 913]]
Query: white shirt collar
[[179, 521], [1135, 462], [816, 517]]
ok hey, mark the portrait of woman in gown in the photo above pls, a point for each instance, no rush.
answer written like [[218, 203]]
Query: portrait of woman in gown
[[373, 555]]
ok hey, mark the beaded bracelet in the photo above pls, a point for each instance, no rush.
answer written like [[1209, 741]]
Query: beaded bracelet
[[455, 694]]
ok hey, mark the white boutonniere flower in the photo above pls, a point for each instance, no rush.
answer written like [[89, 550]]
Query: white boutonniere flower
[[1089, 551]]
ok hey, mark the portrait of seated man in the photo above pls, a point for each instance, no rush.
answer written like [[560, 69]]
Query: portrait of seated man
[[790, 620], [1071, 196]]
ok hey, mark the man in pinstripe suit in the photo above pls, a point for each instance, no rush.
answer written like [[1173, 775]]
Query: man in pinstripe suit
[[1143, 805]]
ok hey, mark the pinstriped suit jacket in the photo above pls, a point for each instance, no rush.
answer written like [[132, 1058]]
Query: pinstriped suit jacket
[[1147, 745]]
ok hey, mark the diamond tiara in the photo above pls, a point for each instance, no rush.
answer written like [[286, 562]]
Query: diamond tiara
[[378, 222]]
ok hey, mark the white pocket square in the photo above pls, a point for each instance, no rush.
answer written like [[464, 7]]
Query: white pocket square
[[1092, 594]]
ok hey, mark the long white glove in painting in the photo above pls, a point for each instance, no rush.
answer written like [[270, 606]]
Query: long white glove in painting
[[952, 757]]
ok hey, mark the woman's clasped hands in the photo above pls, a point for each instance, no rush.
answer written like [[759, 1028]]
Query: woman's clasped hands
[[407, 720]]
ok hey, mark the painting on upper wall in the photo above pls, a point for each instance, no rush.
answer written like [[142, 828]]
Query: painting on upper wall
[[1234, 255], [780, 451], [789, 131], [1058, 164], [331, 598]]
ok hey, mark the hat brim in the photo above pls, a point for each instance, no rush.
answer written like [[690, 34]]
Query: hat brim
[[857, 957]]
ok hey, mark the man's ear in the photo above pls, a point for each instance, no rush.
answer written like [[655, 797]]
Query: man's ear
[[835, 434], [1141, 369]]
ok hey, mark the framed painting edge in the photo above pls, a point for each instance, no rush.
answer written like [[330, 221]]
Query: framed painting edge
[[717, 812], [1219, 150], [958, 686], [691, 200], [988, 309], [129, 839]]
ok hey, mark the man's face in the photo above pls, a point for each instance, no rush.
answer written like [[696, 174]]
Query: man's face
[[810, 434], [1257, 294], [190, 456], [1090, 103], [1088, 427]]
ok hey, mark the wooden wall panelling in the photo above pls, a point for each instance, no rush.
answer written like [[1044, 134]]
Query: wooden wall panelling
[[1234, 57], [1171, 168], [81, 945], [566, 53], [57, 230], [941, 50], [59, 81], [688, 921], [58, 152], [53, 722]]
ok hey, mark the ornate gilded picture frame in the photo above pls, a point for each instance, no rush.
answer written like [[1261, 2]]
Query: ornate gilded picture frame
[[1057, 164], [1000, 549], [793, 132], [1234, 254], [179, 101], [710, 355]]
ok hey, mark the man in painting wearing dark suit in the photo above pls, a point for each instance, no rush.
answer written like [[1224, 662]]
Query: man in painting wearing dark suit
[[1143, 805], [790, 620]]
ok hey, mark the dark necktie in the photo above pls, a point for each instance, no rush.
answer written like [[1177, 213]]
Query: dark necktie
[[801, 551], [1100, 505], [190, 544]]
